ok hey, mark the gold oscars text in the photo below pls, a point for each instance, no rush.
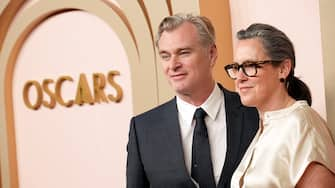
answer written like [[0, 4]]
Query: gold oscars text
[[52, 89]]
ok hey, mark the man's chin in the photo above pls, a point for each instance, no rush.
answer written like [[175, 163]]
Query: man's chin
[[181, 91], [177, 87]]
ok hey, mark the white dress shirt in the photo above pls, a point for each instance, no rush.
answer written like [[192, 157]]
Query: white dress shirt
[[216, 128]]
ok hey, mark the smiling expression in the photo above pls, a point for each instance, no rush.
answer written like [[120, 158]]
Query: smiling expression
[[260, 90], [186, 63]]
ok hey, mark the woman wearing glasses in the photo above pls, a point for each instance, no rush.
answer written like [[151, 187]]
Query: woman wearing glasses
[[293, 147]]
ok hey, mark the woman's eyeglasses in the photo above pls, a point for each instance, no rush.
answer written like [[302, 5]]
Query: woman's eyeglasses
[[249, 68]]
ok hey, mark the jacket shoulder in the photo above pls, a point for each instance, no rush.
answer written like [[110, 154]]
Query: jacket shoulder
[[158, 111]]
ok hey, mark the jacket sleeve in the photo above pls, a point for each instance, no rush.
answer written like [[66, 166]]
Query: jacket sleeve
[[136, 177]]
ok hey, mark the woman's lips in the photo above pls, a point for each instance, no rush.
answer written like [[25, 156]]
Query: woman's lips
[[244, 88]]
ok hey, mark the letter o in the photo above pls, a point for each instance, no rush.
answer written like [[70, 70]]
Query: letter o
[[39, 92]]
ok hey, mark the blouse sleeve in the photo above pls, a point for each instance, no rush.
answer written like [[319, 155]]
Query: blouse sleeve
[[315, 145]]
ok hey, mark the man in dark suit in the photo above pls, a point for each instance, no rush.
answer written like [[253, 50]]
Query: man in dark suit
[[161, 145]]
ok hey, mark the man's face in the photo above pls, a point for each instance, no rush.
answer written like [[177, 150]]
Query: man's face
[[186, 63]]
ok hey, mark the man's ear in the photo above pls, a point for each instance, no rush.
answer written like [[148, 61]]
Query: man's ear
[[213, 54]]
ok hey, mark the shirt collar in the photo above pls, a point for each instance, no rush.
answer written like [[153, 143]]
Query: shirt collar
[[211, 106], [281, 113]]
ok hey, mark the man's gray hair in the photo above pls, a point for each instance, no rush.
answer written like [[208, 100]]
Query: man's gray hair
[[203, 25]]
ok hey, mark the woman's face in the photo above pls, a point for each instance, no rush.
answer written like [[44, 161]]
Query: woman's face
[[261, 90]]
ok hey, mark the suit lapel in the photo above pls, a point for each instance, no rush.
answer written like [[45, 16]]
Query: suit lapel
[[172, 136], [234, 124]]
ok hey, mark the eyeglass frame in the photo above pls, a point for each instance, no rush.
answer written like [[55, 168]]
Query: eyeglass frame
[[255, 64]]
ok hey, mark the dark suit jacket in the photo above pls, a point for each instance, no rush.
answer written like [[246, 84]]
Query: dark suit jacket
[[155, 152]]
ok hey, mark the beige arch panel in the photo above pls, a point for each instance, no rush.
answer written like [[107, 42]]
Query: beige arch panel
[[18, 31], [190, 6], [327, 16], [135, 23], [140, 20]]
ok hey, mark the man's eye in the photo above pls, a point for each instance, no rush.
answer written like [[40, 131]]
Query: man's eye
[[184, 52], [165, 56]]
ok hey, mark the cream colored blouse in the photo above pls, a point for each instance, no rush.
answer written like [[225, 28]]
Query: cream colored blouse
[[288, 142]]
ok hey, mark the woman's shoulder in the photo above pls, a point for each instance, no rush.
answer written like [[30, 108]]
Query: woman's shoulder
[[307, 118]]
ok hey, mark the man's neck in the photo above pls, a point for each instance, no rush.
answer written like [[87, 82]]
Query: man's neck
[[197, 98]]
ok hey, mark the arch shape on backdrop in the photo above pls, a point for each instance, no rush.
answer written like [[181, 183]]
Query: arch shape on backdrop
[[135, 24], [132, 33]]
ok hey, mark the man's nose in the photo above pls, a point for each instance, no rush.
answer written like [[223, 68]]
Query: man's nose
[[174, 62]]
